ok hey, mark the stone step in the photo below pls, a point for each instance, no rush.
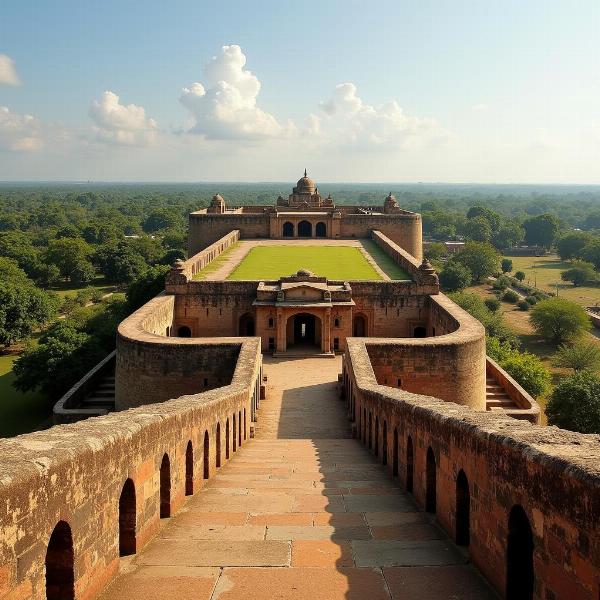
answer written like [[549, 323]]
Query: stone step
[[98, 401], [508, 403]]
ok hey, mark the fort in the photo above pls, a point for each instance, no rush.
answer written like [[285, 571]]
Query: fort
[[300, 436]]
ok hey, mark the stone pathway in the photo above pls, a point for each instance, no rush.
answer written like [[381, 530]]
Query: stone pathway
[[301, 512], [233, 258]]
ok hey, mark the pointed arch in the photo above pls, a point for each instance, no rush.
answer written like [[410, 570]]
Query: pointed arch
[[127, 519], [206, 455], [218, 446], [60, 564], [520, 575], [189, 469], [463, 510], [165, 487]]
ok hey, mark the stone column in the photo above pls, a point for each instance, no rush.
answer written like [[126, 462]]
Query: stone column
[[326, 332], [281, 331]]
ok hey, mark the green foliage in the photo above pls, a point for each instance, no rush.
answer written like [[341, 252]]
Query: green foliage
[[532, 300], [580, 273], [524, 367], [71, 257], [519, 276], [506, 265], [575, 403], [455, 277], [493, 304], [145, 287], [529, 371], [541, 230], [559, 320], [481, 258], [23, 307], [493, 323], [523, 305], [591, 252], [501, 283], [579, 356], [477, 229], [571, 245], [510, 296], [436, 251]]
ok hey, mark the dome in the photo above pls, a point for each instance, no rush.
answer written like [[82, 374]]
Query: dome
[[217, 199], [391, 199], [304, 273], [306, 184]]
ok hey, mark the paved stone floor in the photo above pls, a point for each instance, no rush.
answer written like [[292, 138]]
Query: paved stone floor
[[301, 512], [242, 248]]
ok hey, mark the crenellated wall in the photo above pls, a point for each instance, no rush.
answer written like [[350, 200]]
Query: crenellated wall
[[479, 470], [71, 478]]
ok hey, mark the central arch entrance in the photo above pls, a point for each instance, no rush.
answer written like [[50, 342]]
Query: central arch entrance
[[304, 331], [304, 229]]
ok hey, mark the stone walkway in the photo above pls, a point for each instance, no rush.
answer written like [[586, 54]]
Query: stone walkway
[[301, 512], [235, 256]]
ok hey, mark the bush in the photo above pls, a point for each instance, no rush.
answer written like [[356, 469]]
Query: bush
[[519, 276], [481, 258], [559, 320], [523, 305], [501, 283], [529, 371], [510, 296], [506, 265], [580, 273], [455, 277], [531, 300], [493, 304], [579, 356], [575, 403]]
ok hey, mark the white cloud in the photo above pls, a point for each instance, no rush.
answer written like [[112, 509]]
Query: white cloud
[[479, 107], [123, 125], [20, 133], [8, 73], [352, 122], [225, 106]]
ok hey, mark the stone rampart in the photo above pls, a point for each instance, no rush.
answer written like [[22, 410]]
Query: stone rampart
[[101, 485], [523, 499]]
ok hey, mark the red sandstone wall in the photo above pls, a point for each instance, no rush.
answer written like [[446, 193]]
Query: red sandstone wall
[[551, 473], [75, 473]]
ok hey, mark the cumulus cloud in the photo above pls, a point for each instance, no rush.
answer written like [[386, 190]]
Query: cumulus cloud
[[225, 106], [353, 122], [120, 124], [20, 133], [8, 73]]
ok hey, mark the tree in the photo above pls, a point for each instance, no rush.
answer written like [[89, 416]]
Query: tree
[[68, 254], [541, 230], [436, 251], [162, 218], [493, 304], [487, 214], [575, 403], [579, 356], [559, 320], [506, 265], [455, 277], [529, 371], [478, 229], [509, 235], [519, 276], [571, 245], [146, 286], [481, 258], [591, 252], [23, 307], [121, 263], [580, 273]]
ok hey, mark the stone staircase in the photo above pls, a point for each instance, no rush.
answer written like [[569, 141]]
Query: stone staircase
[[496, 397], [103, 395]]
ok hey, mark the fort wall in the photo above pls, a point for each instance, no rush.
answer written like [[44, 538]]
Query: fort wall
[[74, 474], [510, 467]]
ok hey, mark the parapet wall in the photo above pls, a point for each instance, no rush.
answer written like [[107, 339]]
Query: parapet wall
[[71, 478], [151, 367], [476, 470], [449, 366]]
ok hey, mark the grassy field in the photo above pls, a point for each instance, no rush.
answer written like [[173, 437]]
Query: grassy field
[[65, 289], [386, 263], [19, 412], [333, 262], [544, 272]]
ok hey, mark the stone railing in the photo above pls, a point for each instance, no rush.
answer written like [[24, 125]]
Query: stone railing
[[527, 408], [76, 497], [68, 409], [187, 270], [523, 500]]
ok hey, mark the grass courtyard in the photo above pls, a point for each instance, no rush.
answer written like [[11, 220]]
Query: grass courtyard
[[544, 272], [333, 262]]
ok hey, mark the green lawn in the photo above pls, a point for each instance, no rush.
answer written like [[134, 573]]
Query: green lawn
[[544, 272], [386, 263], [333, 262], [19, 412], [64, 289]]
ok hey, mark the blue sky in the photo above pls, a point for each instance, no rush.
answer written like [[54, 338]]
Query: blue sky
[[434, 91]]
